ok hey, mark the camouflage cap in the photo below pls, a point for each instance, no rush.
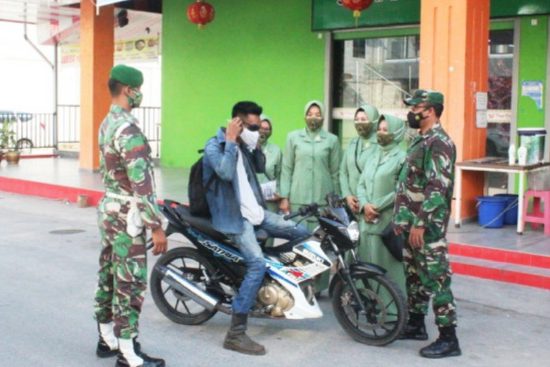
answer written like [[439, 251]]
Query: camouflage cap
[[127, 75], [424, 95]]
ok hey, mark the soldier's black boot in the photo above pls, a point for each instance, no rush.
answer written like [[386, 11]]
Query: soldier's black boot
[[107, 346], [415, 328], [445, 346], [237, 340], [131, 355]]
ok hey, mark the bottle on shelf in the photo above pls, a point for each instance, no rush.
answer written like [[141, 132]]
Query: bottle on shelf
[[522, 156], [512, 155]]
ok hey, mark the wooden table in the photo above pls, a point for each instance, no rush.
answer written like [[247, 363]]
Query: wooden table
[[495, 165]]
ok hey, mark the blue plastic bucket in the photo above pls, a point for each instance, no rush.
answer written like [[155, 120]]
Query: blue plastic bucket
[[489, 211], [511, 215]]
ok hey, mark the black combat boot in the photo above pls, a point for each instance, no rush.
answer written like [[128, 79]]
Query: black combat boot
[[237, 340], [415, 328], [445, 346], [129, 352], [103, 349]]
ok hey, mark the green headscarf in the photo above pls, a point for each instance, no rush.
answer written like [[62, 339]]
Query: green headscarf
[[315, 125], [396, 127], [264, 138], [370, 110], [314, 102], [366, 130]]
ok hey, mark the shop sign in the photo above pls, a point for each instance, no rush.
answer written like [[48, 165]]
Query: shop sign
[[534, 90], [137, 49], [331, 15]]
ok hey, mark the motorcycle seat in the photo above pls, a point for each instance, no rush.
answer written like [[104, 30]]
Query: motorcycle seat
[[204, 225]]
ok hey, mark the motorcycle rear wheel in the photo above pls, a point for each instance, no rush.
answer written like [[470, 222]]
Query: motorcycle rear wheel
[[386, 311], [176, 306]]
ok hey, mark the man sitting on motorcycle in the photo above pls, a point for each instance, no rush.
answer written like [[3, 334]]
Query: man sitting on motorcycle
[[237, 207]]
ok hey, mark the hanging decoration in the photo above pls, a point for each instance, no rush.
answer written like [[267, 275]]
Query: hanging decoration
[[200, 13], [357, 6]]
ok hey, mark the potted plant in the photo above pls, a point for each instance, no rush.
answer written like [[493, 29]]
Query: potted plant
[[7, 143]]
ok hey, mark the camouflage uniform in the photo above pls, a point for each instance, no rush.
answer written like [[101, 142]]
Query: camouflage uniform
[[127, 170], [424, 193]]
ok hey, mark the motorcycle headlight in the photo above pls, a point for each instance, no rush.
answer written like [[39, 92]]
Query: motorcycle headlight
[[353, 231]]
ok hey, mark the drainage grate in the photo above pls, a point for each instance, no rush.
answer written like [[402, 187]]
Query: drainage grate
[[67, 231]]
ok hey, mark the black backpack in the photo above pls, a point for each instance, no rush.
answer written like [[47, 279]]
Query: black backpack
[[196, 191]]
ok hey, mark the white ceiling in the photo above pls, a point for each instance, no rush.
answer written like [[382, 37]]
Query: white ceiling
[[34, 11], [42, 12]]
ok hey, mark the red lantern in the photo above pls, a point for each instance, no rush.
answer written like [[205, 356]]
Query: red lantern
[[200, 13], [357, 6]]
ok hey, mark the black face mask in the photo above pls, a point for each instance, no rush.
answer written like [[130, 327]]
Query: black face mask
[[414, 119]]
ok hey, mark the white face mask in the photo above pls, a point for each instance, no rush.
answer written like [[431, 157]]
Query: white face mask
[[250, 138]]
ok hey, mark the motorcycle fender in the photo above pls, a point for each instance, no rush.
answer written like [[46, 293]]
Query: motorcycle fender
[[358, 268], [361, 268]]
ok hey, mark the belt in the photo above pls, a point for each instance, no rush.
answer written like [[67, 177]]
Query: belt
[[125, 198]]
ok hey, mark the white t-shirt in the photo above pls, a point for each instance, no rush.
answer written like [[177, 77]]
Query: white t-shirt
[[250, 209]]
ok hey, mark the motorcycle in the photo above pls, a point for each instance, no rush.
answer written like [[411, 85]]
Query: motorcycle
[[190, 284]]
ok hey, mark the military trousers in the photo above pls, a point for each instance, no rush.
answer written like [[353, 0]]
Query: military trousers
[[428, 275], [122, 276]]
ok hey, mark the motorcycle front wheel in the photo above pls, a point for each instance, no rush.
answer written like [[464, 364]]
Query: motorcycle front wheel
[[385, 311], [177, 306]]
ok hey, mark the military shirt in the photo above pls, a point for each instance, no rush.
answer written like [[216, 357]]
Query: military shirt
[[125, 163], [425, 184]]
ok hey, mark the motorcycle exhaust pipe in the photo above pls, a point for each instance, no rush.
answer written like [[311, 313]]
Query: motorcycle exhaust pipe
[[186, 287]]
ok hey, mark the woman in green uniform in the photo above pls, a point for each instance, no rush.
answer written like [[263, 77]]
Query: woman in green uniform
[[376, 193], [311, 163], [270, 179], [357, 153]]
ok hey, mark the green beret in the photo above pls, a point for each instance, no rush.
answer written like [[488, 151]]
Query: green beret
[[127, 75], [422, 95]]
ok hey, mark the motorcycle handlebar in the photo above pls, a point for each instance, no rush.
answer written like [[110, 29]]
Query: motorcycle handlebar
[[303, 212], [291, 216]]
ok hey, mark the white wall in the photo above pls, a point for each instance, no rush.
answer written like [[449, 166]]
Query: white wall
[[27, 80], [69, 83]]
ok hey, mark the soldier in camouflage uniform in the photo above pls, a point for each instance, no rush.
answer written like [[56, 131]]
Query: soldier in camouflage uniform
[[421, 213], [128, 208]]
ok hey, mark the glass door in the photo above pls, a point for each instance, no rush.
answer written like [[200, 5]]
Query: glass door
[[501, 67], [379, 71]]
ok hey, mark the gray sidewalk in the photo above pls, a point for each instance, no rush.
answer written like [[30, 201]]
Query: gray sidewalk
[[48, 280], [172, 184]]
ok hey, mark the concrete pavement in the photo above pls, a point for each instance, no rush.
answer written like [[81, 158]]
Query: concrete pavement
[[48, 267]]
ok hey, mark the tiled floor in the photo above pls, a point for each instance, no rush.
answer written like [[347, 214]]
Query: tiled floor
[[172, 184]]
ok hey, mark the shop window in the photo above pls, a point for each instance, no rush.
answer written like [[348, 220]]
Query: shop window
[[378, 71], [359, 48], [501, 65]]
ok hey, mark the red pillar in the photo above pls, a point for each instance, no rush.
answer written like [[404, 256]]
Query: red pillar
[[454, 37], [96, 61]]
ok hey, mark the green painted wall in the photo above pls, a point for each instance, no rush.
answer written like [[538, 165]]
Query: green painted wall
[[254, 50], [533, 61]]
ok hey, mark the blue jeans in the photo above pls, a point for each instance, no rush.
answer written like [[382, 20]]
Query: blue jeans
[[276, 227]]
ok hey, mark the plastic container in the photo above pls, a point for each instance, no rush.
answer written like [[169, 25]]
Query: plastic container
[[522, 156], [534, 140], [512, 155], [511, 215], [489, 211]]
